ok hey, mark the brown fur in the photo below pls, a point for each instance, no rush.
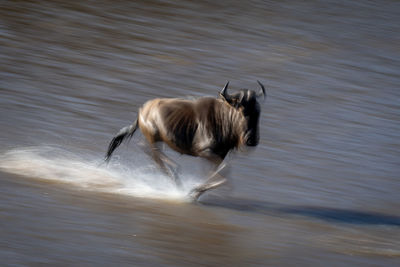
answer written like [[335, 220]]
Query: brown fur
[[200, 128]]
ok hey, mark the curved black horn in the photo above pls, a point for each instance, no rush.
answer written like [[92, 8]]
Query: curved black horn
[[262, 91], [223, 92]]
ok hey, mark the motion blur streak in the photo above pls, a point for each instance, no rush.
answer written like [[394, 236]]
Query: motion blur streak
[[320, 189]]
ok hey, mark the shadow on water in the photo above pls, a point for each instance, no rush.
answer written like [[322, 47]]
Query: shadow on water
[[322, 213]]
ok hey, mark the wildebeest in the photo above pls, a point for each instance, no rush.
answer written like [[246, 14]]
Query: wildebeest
[[206, 127]]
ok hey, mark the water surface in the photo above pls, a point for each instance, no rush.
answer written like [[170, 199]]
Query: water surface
[[322, 188]]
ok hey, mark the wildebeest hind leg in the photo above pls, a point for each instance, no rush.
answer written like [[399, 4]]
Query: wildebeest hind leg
[[168, 166]]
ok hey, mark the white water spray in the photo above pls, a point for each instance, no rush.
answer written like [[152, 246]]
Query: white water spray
[[58, 164]]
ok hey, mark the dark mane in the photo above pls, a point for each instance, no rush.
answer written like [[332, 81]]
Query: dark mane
[[224, 124]]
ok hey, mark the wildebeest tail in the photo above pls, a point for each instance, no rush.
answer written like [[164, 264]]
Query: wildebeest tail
[[123, 134]]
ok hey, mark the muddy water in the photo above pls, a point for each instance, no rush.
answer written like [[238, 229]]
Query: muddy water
[[321, 189]]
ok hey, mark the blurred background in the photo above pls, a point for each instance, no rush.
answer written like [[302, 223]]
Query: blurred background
[[321, 189]]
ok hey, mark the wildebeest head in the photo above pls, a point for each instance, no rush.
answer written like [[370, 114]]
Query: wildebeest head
[[246, 101]]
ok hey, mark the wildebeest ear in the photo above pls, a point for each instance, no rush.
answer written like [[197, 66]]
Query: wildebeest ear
[[240, 97], [236, 99]]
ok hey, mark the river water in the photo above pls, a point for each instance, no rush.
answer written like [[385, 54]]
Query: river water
[[321, 189]]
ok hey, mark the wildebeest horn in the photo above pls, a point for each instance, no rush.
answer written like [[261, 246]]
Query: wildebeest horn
[[262, 90], [223, 92]]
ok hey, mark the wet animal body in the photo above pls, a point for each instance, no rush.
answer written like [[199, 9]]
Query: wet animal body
[[206, 127]]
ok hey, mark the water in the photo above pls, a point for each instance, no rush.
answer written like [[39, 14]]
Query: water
[[322, 188]]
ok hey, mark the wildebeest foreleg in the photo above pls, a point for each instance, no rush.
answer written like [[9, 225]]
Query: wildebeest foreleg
[[214, 180]]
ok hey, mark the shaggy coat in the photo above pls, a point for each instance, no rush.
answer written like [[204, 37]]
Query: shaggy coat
[[206, 127]]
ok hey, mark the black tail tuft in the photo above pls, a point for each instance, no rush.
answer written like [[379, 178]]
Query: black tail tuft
[[123, 134]]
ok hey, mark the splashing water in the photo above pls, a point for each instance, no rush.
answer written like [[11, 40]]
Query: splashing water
[[59, 164]]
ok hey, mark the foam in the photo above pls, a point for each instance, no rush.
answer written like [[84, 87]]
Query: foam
[[61, 165]]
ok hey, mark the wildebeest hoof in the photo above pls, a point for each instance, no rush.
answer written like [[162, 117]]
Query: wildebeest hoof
[[194, 195], [196, 192]]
